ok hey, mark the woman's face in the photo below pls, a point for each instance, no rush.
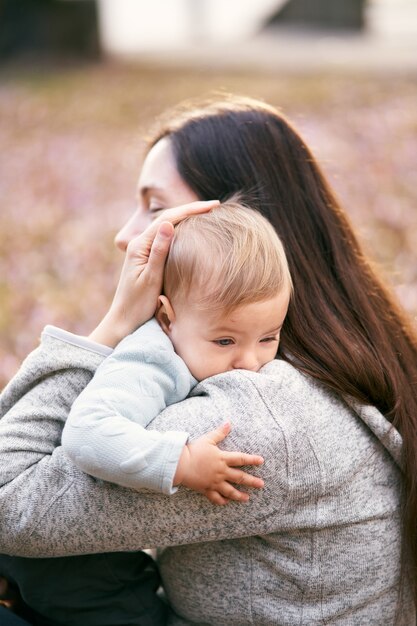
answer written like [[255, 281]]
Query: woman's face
[[160, 187]]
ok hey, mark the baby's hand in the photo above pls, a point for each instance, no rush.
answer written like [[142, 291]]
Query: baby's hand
[[209, 470]]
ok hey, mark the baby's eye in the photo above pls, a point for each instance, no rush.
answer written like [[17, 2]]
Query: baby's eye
[[269, 339], [223, 342]]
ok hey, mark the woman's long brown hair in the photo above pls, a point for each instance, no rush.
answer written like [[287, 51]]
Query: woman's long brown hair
[[343, 326]]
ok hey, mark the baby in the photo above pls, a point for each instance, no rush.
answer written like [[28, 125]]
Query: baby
[[226, 293]]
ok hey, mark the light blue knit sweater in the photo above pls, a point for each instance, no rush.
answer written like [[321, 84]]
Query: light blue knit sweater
[[105, 432]]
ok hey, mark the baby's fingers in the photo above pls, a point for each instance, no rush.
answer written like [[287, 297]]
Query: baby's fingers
[[239, 477], [215, 497], [230, 492], [236, 459]]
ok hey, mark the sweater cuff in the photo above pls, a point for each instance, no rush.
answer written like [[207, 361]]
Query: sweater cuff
[[176, 442], [76, 340]]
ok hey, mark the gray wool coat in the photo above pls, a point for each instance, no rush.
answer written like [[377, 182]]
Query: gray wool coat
[[320, 544]]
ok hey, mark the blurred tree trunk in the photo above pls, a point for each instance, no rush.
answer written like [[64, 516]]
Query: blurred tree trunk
[[331, 14], [48, 28]]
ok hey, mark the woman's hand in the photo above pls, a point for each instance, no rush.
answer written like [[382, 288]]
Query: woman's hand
[[141, 279]]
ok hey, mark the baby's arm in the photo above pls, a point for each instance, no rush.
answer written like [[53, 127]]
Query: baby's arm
[[105, 432]]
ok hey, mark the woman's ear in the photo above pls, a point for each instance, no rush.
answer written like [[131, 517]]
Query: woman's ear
[[165, 314]]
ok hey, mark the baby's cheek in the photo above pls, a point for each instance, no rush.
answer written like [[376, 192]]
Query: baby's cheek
[[271, 355], [197, 364], [205, 365]]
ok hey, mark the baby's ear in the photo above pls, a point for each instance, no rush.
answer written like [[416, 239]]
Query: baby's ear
[[164, 314]]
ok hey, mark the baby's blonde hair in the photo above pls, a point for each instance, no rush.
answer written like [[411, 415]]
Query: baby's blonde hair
[[225, 258]]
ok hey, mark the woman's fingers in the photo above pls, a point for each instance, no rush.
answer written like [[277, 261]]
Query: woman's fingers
[[139, 248], [174, 216], [160, 248], [177, 214]]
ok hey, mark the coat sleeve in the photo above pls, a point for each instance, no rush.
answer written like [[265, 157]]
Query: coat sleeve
[[50, 508], [36, 403], [105, 432]]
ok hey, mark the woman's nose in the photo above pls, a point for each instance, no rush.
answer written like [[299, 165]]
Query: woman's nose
[[133, 227]]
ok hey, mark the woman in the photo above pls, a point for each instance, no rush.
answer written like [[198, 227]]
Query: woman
[[331, 538]]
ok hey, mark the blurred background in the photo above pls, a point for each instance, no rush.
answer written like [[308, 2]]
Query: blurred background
[[81, 81]]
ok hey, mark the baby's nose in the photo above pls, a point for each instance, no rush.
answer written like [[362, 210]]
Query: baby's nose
[[246, 361]]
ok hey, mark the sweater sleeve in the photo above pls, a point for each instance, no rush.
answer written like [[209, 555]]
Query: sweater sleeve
[[105, 432], [36, 402]]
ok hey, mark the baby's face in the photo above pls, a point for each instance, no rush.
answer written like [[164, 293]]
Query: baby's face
[[211, 343]]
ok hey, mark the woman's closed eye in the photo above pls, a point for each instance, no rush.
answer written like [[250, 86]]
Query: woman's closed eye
[[154, 211]]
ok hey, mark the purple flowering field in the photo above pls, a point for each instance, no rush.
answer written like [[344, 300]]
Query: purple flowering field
[[71, 153]]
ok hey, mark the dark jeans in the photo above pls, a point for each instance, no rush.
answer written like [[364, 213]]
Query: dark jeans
[[7, 618]]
